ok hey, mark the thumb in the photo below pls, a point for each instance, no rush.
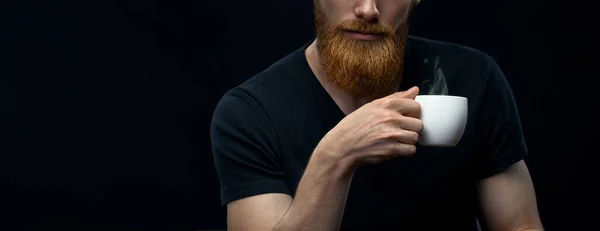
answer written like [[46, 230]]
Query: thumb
[[409, 94]]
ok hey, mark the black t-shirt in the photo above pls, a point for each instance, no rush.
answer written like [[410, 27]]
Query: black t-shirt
[[264, 132]]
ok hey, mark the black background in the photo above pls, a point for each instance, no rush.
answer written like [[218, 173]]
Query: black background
[[105, 106]]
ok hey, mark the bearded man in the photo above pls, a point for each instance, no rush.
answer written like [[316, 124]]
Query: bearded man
[[327, 137]]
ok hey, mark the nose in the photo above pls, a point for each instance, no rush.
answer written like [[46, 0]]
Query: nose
[[367, 10]]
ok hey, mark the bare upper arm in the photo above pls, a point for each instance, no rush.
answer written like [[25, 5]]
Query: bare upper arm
[[508, 200], [260, 212]]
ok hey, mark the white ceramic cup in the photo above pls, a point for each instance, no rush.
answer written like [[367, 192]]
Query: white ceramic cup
[[444, 119]]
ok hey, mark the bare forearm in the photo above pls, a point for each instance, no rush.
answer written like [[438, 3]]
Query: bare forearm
[[320, 198]]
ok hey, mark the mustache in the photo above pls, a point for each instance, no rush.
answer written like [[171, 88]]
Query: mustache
[[363, 27]]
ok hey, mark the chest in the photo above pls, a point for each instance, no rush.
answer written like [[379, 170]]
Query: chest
[[436, 183], [430, 170]]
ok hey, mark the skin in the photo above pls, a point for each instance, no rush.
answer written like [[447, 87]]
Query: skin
[[373, 131]]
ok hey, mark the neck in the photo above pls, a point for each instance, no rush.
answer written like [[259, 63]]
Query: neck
[[345, 101]]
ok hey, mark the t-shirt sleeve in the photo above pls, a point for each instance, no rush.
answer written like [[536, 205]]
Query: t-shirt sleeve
[[244, 148], [503, 142]]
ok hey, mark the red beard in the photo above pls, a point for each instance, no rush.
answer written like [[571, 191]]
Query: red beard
[[359, 67]]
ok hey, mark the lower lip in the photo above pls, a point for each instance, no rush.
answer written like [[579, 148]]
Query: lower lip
[[362, 36]]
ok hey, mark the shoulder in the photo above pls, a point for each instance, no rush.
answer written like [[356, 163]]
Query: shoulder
[[436, 46], [458, 69], [264, 92], [461, 54], [275, 80]]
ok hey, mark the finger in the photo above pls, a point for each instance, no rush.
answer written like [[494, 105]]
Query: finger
[[410, 124], [401, 149], [406, 136], [408, 94], [406, 107]]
